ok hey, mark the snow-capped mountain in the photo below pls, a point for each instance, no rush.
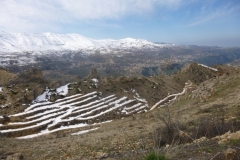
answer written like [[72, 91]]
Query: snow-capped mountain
[[21, 42]]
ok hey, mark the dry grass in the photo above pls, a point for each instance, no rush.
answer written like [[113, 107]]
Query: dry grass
[[6, 77], [133, 137]]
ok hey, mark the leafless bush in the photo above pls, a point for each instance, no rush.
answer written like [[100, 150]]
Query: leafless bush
[[210, 127], [171, 131]]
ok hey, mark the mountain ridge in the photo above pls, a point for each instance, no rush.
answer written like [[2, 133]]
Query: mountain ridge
[[22, 42]]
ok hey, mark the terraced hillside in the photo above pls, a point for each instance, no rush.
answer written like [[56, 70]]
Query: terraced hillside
[[85, 112], [202, 101], [77, 111]]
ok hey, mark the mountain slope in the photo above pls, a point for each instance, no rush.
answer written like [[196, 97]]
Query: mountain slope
[[91, 100], [19, 42], [208, 108]]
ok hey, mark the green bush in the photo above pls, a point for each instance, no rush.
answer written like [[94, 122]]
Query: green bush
[[155, 156]]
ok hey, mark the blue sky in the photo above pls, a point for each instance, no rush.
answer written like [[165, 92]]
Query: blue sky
[[198, 22]]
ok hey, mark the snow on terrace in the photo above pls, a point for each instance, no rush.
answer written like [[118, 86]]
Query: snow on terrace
[[76, 111], [171, 97], [63, 90], [88, 106], [43, 97], [35, 107], [95, 80], [51, 131], [214, 69], [65, 128], [49, 117], [29, 127], [104, 112]]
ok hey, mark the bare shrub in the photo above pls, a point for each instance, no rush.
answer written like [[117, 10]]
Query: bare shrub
[[210, 127], [171, 132]]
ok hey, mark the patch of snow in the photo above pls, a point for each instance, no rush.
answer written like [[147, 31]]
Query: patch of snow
[[63, 90], [137, 95], [96, 108], [116, 106], [86, 107], [45, 113], [43, 97], [52, 131], [170, 96], [214, 69], [30, 127], [46, 131], [37, 120], [69, 97], [84, 100], [5, 105], [166, 98], [138, 110], [36, 105], [59, 118], [1, 89], [134, 106], [140, 99], [124, 111], [95, 80]]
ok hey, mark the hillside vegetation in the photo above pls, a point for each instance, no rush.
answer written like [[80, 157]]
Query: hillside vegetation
[[193, 114]]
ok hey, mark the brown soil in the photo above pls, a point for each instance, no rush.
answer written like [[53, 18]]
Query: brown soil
[[215, 96]]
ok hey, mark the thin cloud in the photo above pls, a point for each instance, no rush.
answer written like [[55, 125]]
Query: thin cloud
[[30, 15], [112, 9], [207, 14]]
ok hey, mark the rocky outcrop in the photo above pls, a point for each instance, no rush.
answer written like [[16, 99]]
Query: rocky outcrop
[[195, 73], [31, 74], [5, 77], [228, 136], [230, 153], [93, 74], [11, 156], [16, 156]]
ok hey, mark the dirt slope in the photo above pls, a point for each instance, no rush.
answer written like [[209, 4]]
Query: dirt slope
[[210, 108], [6, 77]]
